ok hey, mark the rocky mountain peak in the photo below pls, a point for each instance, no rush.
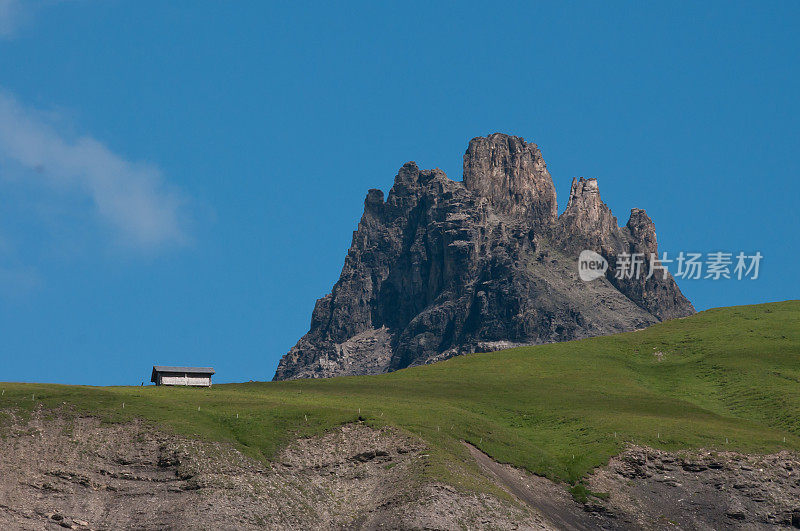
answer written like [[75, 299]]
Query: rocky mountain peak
[[441, 268], [586, 220], [512, 175], [583, 190], [643, 230]]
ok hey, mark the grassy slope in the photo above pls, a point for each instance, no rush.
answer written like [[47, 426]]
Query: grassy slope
[[729, 374]]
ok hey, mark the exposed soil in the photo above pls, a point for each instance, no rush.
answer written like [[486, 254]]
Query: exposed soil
[[645, 488], [552, 500], [83, 474]]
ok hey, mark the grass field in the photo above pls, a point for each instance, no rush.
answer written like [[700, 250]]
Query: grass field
[[726, 378]]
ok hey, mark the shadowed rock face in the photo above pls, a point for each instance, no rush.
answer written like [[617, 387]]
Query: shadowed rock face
[[440, 268]]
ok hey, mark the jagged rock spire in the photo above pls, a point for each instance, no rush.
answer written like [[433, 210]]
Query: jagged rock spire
[[586, 219], [512, 175]]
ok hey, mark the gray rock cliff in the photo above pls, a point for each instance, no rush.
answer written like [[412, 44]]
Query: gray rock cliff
[[440, 268]]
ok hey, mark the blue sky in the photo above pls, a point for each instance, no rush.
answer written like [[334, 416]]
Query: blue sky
[[180, 180]]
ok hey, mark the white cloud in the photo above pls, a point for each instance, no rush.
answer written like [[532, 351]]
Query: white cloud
[[133, 198]]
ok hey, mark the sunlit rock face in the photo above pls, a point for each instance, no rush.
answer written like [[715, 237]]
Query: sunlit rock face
[[512, 176], [439, 268]]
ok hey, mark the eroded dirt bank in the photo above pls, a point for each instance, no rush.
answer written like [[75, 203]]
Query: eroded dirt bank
[[644, 488], [82, 474]]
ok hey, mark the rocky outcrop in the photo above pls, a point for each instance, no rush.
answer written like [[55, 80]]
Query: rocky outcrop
[[650, 488], [440, 268]]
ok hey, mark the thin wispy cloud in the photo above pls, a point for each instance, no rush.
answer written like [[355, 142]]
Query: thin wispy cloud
[[10, 14], [15, 15], [132, 198]]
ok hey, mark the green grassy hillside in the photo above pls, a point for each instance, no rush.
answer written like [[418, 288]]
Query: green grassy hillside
[[726, 378]]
